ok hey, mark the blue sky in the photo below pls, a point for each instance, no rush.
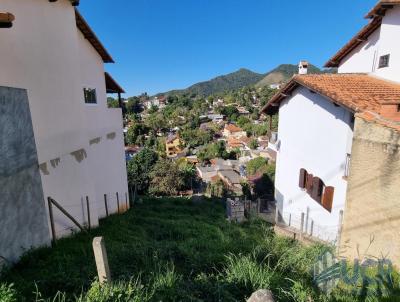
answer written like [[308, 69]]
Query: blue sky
[[159, 45]]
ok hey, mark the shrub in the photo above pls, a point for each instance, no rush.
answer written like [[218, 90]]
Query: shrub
[[7, 293]]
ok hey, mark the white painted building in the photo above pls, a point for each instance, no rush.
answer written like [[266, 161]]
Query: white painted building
[[52, 53], [316, 122]]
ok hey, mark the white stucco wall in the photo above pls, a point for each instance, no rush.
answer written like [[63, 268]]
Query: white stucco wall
[[46, 54], [363, 58], [314, 135], [389, 44], [383, 41]]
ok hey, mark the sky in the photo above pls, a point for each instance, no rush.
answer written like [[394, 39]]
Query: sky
[[160, 45]]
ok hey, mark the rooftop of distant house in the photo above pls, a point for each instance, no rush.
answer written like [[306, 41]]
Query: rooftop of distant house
[[233, 128]]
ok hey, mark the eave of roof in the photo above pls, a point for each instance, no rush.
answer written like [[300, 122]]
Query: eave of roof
[[381, 7], [357, 40], [356, 92], [111, 85], [89, 34]]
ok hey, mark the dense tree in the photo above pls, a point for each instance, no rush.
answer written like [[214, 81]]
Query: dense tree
[[112, 103], [256, 165], [133, 105], [166, 178], [139, 169], [135, 131], [253, 144]]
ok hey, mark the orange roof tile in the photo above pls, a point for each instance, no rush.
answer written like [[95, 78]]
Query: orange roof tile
[[357, 92], [233, 128]]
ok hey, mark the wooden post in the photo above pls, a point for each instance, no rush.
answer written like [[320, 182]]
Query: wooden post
[[106, 204], [100, 255], [258, 206], [290, 219], [88, 210], [126, 200], [312, 227], [307, 216], [58, 206], [117, 202], [302, 226], [53, 230]]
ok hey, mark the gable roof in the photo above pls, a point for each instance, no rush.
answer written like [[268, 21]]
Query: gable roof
[[89, 34], [356, 92], [376, 14]]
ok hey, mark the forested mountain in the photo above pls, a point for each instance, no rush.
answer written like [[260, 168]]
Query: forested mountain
[[244, 77]]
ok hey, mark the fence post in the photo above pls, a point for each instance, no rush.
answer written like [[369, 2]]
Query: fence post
[[53, 231], [307, 217], [302, 226], [276, 214], [106, 204], [258, 206], [126, 201], [312, 227], [100, 255], [88, 210], [117, 203], [290, 219]]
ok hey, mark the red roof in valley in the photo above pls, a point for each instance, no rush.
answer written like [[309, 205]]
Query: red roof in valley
[[233, 128]]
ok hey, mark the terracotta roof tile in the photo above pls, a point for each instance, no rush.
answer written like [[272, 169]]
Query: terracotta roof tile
[[358, 92], [233, 128]]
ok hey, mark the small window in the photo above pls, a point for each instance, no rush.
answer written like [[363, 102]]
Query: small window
[[384, 61], [90, 95]]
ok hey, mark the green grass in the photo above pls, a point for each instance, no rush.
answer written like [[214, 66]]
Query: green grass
[[169, 250]]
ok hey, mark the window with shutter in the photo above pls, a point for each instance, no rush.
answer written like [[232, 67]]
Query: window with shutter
[[303, 178], [317, 189], [327, 199]]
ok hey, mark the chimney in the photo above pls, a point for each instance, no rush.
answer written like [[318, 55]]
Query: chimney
[[303, 67]]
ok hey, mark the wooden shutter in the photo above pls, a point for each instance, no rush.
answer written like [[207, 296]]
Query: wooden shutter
[[309, 183], [317, 188], [327, 199], [302, 178]]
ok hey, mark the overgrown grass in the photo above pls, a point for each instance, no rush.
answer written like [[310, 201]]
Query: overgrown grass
[[170, 250]]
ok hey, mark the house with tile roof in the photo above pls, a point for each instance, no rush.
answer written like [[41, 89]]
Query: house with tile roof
[[59, 139], [231, 130], [338, 143]]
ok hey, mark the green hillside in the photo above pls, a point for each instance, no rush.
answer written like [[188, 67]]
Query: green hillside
[[244, 77]]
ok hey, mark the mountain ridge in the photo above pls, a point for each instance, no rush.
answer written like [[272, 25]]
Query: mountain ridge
[[244, 77]]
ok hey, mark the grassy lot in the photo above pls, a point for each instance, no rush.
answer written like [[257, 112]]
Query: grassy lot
[[170, 250]]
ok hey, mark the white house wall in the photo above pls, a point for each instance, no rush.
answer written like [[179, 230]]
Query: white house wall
[[314, 135], [363, 58], [80, 147], [389, 44]]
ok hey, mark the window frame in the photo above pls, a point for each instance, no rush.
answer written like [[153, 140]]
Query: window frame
[[90, 103], [384, 61]]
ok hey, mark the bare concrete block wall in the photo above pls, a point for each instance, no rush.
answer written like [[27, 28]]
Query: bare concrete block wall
[[23, 218], [371, 225]]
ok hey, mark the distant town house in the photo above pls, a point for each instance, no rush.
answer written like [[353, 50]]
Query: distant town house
[[231, 130], [173, 146], [337, 147], [59, 139]]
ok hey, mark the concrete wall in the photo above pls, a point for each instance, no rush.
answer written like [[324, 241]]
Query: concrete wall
[[371, 223], [315, 135], [80, 147], [23, 222]]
